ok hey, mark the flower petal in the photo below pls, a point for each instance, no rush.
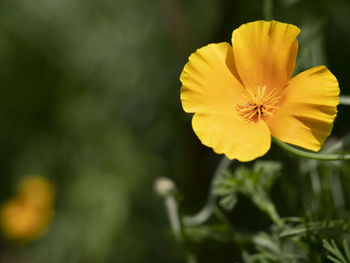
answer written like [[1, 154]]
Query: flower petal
[[265, 53], [231, 135], [307, 110], [209, 82]]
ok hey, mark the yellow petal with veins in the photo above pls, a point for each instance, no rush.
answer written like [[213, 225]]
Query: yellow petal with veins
[[210, 82], [307, 109], [232, 135], [265, 53]]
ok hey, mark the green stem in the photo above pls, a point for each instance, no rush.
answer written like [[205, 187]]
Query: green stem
[[311, 155], [207, 210], [272, 212], [172, 210], [174, 219], [345, 100], [268, 9], [166, 188]]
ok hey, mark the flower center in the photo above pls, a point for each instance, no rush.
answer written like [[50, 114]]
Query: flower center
[[260, 105]]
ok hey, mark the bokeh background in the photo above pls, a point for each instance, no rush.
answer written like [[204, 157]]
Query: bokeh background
[[90, 100]]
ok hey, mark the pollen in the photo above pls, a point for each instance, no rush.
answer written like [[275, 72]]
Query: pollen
[[260, 104]]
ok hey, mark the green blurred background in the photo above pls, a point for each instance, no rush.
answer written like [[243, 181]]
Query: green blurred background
[[90, 99]]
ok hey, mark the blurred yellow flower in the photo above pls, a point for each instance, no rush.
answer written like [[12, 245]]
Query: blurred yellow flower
[[25, 216], [36, 191], [242, 94]]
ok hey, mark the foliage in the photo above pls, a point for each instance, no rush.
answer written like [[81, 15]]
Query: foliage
[[254, 183], [335, 254], [287, 239]]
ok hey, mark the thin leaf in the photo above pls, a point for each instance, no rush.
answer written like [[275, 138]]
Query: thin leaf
[[333, 249], [346, 249], [335, 260]]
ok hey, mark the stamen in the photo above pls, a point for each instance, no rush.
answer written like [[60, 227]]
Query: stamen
[[260, 105]]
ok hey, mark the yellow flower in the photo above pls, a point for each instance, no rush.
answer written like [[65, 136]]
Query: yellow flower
[[36, 191], [25, 216], [242, 94]]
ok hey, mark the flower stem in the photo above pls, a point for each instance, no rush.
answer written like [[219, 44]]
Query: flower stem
[[207, 210], [311, 155], [166, 189], [268, 9], [172, 210], [345, 100]]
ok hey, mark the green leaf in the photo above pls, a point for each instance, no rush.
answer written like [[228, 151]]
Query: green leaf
[[216, 232], [228, 201], [317, 227], [346, 249], [254, 183], [337, 256]]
